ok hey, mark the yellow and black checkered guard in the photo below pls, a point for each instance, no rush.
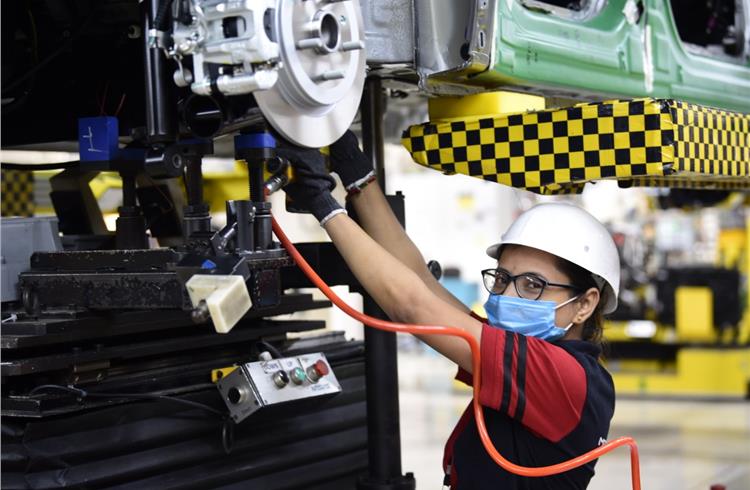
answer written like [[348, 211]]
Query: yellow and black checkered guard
[[711, 142], [643, 142], [17, 193]]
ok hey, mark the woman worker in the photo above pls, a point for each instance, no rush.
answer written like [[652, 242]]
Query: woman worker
[[546, 397]]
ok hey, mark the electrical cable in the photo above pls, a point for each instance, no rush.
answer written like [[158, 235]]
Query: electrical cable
[[103, 100], [266, 345], [161, 14], [162, 211], [50, 57], [119, 106], [81, 393], [14, 103], [69, 389], [227, 426], [474, 346]]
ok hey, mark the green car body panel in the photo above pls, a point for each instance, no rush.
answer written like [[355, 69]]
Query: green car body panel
[[602, 55]]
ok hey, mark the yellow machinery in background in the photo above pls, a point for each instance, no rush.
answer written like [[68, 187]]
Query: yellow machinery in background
[[707, 361], [222, 182]]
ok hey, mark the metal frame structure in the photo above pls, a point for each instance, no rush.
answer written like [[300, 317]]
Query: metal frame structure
[[101, 332]]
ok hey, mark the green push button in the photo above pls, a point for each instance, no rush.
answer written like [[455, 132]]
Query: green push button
[[298, 375]]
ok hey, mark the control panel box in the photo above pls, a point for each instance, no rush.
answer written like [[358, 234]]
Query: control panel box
[[256, 385]]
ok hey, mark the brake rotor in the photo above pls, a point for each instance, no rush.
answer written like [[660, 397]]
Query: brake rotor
[[320, 83]]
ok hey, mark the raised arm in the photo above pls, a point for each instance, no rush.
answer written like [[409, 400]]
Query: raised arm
[[399, 290], [376, 216]]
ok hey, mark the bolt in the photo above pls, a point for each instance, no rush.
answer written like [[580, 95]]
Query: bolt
[[313, 42], [342, 19], [177, 160], [134, 31], [329, 75], [352, 45]]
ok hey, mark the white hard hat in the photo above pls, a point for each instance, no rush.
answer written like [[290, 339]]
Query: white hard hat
[[571, 233]]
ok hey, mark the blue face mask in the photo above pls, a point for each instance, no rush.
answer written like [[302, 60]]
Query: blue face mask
[[525, 316]]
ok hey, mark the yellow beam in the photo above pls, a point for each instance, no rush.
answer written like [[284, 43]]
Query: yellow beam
[[699, 372]]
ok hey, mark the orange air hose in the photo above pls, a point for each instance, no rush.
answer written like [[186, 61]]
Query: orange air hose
[[474, 345]]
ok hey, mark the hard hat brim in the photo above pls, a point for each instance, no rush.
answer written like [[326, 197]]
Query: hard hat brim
[[608, 297], [494, 250]]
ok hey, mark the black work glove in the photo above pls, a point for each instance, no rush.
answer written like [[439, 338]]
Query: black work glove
[[312, 185], [348, 161]]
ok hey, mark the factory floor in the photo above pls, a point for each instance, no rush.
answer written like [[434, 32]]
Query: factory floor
[[685, 445]]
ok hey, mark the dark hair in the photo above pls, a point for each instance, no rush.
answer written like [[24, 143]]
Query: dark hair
[[580, 277]]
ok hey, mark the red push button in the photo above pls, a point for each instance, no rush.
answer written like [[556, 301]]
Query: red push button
[[321, 368]]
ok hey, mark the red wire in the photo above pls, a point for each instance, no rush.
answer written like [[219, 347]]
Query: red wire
[[119, 106], [474, 346], [103, 100]]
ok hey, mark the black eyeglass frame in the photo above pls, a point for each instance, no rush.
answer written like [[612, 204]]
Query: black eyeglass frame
[[511, 278]]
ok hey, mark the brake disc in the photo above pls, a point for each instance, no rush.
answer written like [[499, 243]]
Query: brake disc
[[322, 76]]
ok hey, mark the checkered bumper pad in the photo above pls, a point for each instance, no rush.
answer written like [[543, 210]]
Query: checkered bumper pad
[[642, 142]]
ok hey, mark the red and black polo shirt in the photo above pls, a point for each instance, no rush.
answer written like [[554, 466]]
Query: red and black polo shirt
[[544, 403]]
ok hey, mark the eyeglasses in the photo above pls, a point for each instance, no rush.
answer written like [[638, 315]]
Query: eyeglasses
[[528, 285]]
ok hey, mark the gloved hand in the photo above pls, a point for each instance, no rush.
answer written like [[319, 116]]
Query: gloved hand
[[312, 185], [348, 161]]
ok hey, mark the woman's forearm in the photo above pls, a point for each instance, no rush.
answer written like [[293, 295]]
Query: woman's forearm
[[399, 291], [377, 219], [382, 275]]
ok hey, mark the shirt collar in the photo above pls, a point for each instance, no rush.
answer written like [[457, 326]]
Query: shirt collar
[[582, 346]]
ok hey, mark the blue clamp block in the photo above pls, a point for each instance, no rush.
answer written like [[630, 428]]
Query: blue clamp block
[[254, 140], [208, 264], [98, 138]]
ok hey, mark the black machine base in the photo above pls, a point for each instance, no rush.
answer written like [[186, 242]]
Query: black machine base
[[113, 437], [405, 482]]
